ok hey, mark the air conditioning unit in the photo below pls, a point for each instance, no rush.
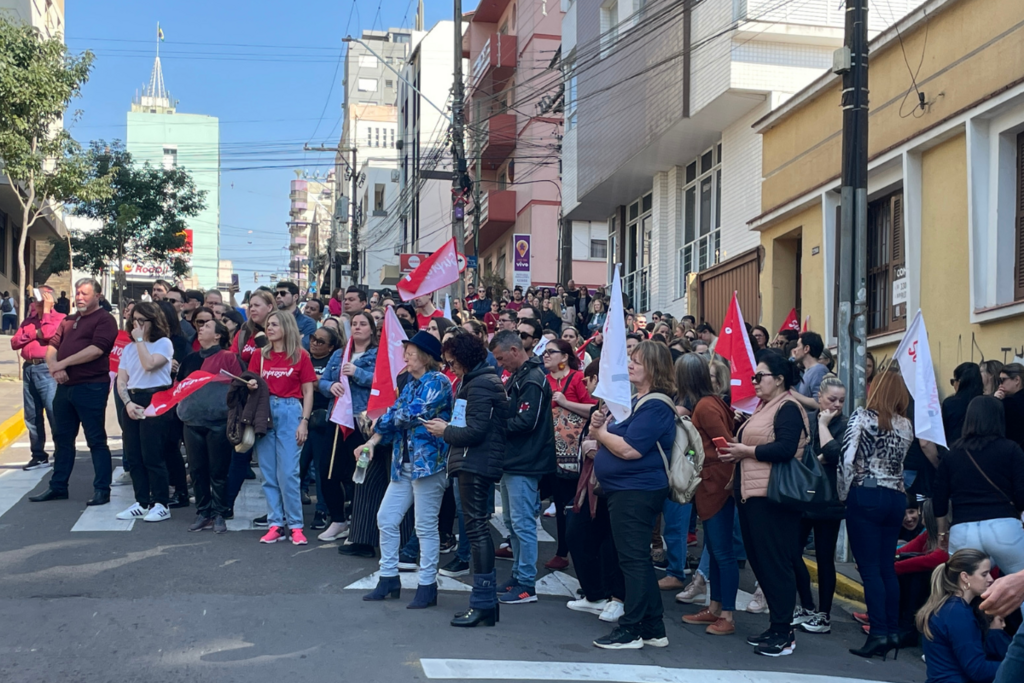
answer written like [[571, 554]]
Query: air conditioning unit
[[396, 175]]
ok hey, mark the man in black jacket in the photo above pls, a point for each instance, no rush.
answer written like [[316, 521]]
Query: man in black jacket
[[529, 456]]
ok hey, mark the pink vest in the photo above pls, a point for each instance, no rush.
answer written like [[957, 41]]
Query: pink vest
[[760, 429]]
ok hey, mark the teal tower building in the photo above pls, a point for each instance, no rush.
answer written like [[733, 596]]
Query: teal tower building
[[163, 136]]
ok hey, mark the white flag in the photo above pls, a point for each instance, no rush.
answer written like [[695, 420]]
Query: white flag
[[447, 307], [613, 377], [915, 362]]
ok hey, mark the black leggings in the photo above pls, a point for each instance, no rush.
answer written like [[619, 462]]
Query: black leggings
[[561, 491], [826, 536], [473, 492], [333, 482], [770, 536]]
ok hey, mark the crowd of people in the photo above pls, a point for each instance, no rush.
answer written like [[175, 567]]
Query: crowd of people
[[497, 402]]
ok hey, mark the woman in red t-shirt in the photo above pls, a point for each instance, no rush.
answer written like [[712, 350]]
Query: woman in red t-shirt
[[570, 405], [290, 377], [251, 336], [492, 317]]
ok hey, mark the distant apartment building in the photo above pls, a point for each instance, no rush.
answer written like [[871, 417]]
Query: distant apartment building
[[311, 217], [514, 137], [660, 99], [48, 18]]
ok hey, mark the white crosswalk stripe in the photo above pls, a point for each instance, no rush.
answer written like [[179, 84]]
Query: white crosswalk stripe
[[104, 517], [556, 583], [15, 483]]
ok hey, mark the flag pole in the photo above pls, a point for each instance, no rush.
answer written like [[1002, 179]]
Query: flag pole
[[158, 40], [334, 449]]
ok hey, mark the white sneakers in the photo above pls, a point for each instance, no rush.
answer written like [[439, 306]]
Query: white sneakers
[[584, 605], [695, 593], [136, 511], [157, 513], [758, 604], [336, 531], [612, 611]]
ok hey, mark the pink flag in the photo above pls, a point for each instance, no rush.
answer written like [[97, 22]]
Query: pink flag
[[792, 322], [342, 413], [734, 346], [168, 398], [438, 270], [390, 362]]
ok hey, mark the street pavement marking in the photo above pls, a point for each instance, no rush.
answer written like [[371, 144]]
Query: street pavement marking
[[250, 504], [556, 583], [113, 443], [506, 670], [14, 484], [499, 523], [104, 517]]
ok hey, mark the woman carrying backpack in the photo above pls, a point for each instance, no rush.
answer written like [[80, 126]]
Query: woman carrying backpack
[[630, 468]]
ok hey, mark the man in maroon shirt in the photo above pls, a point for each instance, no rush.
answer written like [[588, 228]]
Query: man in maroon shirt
[[38, 386], [79, 359]]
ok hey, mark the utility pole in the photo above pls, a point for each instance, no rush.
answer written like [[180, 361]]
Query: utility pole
[[852, 62], [335, 275], [458, 150], [477, 192], [356, 219]]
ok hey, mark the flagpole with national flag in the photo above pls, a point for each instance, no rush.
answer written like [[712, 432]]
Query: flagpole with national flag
[[159, 38]]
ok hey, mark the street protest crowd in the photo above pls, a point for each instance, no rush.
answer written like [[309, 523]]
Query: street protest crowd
[[404, 422]]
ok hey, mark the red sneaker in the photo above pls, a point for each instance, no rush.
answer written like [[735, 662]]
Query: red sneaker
[[273, 535], [556, 563], [691, 539], [298, 538], [503, 552], [861, 617]]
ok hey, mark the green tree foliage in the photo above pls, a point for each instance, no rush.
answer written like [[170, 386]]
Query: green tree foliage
[[144, 216], [38, 81]]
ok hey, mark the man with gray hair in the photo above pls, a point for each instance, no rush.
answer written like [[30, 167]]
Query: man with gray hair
[[78, 357], [529, 456]]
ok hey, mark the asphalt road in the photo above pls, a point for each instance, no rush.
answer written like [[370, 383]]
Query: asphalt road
[[157, 603]]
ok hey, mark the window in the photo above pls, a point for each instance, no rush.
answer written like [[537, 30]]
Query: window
[[1018, 226], [609, 26], [598, 249], [699, 206], [170, 160], [369, 137], [367, 85], [377, 141], [389, 84], [378, 198], [392, 138], [400, 38], [367, 62], [887, 270], [639, 227], [569, 74]]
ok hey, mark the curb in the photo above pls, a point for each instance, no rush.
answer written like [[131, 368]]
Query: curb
[[12, 428], [845, 586]]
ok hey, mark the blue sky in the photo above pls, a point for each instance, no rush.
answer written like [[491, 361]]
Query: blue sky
[[264, 68]]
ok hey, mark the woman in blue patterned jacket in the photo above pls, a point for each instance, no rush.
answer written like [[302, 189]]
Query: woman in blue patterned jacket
[[418, 476]]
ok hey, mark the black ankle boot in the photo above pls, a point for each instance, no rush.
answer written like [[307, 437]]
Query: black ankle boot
[[426, 596], [875, 646], [477, 617], [387, 587]]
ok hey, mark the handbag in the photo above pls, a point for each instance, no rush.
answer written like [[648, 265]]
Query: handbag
[[318, 419], [568, 428], [800, 484]]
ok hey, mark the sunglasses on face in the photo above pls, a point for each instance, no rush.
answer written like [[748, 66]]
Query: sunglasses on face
[[282, 293], [317, 340], [141, 321], [525, 335], [551, 352], [1005, 378], [756, 379]]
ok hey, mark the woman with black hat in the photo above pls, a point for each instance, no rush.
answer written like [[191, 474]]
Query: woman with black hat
[[417, 469]]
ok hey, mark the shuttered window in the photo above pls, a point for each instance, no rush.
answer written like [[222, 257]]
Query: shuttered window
[[1018, 226], [887, 273]]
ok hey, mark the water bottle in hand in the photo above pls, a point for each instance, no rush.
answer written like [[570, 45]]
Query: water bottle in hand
[[359, 476]]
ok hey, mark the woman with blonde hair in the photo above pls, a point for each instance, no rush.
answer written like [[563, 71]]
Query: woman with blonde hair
[[251, 335], [286, 368], [960, 644]]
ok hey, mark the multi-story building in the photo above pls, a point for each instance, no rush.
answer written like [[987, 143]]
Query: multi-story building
[[311, 218], [164, 137], [945, 231], [660, 97], [423, 219], [514, 135], [48, 18]]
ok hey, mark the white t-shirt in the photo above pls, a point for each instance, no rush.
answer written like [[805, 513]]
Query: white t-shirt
[[138, 378]]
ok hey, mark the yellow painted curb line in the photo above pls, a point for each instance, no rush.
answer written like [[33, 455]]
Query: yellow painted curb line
[[845, 586], [12, 428]]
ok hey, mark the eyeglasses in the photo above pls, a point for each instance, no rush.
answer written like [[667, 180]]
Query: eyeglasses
[[952, 382], [282, 292], [317, 340], [1005, 378], [756, 379], [525, 335], [551, 352], [141, 320]]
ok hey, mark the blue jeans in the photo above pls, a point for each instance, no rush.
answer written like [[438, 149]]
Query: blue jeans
[[677, 526], [1012, 668], [520, 507], [873, 520], [278, 454], [424, 496], [724, 573], [738, 551], [1001, 539], [85, 406], [38, 388]]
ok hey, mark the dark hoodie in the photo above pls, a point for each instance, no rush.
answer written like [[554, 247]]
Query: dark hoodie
[[480, 446], [530, 427]]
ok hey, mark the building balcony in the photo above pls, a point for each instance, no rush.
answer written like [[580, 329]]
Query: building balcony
[[300, 240], [298, 227], [299, 186], [499, 140], [497, 214], [490, 11], [494, 65]]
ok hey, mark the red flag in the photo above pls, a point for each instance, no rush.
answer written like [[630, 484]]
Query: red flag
[[807, 322], [438, 270], [120, 342], [582, 351], [390, 362], [734, 346], [342, 414], [792, 322], [168, 398]]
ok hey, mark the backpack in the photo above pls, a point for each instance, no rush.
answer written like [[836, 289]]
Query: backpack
[[687, 454], [7, 306]]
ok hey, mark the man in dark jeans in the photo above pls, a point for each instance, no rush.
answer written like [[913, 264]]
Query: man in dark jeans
[[79, 359]]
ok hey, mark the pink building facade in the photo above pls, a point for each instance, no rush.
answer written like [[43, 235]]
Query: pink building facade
[[513, 138]]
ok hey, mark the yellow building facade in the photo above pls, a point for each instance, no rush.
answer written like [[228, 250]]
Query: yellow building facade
[[945, 189]]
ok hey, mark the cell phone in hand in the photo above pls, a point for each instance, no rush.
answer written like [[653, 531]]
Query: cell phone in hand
[[37, 294], [424, 420], [720, 443]]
